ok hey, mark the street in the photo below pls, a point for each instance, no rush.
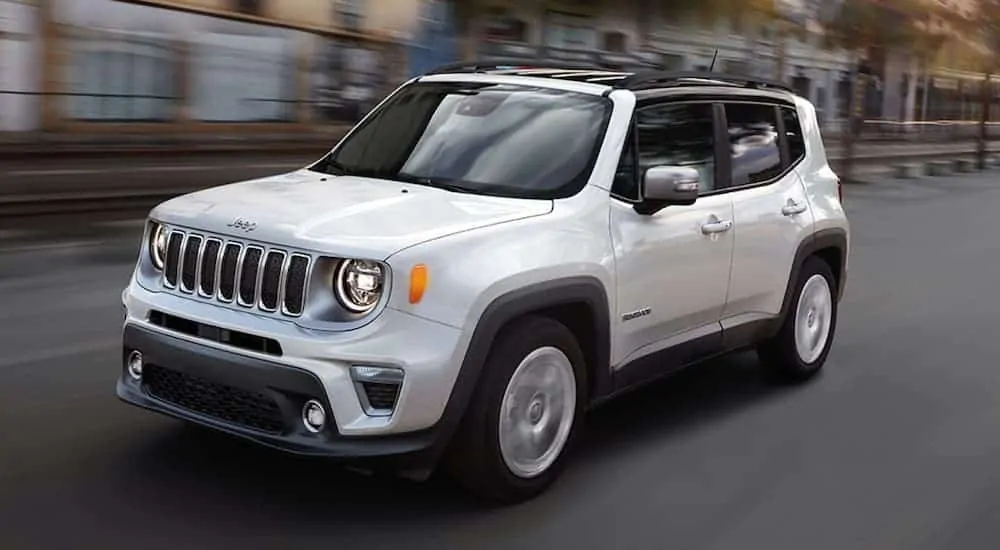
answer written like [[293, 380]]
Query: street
[[896, 446]]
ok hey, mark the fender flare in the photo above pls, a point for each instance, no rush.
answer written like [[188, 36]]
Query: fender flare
[[506, 307], [834, 237]]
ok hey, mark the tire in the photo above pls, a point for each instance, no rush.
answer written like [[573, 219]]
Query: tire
[[477, 459], [782, 357]]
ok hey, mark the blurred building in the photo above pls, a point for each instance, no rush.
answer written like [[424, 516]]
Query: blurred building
[[433, 38], [20, 50], [627, 35], [216, 65], [945, 81], [278, 65], [754, 47], [569, 30]]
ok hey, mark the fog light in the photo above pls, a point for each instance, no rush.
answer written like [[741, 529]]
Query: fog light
[[135, 365], [313, 416]]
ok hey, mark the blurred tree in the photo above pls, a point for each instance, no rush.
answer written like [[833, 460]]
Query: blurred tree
[[983, 23], [868, 30]]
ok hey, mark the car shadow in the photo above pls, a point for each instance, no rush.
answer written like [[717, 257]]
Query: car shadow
[[308, 492]]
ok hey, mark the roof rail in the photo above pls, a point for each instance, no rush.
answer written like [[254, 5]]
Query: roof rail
[[500, 64], [658, 78]]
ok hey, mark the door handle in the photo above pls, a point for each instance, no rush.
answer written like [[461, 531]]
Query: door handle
[[793, 208], [720, 226]]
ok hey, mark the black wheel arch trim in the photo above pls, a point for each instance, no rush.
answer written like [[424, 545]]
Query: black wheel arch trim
[[586, 290], [833, 237]]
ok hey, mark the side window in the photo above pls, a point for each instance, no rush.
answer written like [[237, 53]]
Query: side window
[[626, 184], [795, 137], [753, 143], [678, 134]]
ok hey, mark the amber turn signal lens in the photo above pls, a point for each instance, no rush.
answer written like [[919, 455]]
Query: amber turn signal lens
[[418, 283]]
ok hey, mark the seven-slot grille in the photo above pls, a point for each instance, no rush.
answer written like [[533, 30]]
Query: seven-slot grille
[[270, 279]]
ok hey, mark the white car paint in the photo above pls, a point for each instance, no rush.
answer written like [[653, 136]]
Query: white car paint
[[357, 217], [478, 248]]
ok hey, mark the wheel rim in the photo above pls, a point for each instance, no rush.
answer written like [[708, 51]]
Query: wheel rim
[[813, 318], [537, 412]]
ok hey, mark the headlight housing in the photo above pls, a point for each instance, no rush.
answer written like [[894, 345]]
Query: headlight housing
[[358, 285], [157, 245]]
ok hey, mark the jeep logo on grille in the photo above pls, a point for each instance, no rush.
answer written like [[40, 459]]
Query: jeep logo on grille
[[245, 225]]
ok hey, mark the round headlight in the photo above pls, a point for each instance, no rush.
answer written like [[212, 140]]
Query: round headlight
[[158, 246], [358, 285]]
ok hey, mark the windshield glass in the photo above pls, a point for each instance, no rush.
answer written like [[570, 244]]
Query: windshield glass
[[492, 139]]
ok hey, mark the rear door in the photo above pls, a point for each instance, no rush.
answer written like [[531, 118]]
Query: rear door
[[772, 215]]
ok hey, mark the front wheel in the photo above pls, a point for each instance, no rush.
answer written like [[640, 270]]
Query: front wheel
[[800, 348], [525, 414]]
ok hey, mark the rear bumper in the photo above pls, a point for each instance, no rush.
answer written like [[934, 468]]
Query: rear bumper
[[253, 399]]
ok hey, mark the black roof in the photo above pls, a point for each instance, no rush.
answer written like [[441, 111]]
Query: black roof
[[614, 78]]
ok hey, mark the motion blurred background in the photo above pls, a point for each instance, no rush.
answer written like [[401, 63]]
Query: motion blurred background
[[108, 107], [134, 70]]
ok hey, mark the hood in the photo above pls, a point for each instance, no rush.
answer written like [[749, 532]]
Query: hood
[[340, 215]]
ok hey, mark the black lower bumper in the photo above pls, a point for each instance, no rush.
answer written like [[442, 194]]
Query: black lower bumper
[[253, 399]]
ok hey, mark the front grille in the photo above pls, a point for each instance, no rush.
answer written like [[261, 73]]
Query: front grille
[[248, 275], [173, 258], [209, 265], [243, 408], [189, 268], [253, 276]]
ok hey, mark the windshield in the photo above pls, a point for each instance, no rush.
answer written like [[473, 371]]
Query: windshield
[[492, 139]]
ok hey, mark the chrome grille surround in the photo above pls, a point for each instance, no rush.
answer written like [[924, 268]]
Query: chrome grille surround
[[288, 298]]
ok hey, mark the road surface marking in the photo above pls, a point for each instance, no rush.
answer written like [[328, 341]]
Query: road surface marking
[[168, 168]]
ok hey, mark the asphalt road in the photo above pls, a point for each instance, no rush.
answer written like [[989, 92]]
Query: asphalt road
[[896, 446]]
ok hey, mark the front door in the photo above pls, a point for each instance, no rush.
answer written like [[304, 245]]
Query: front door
[[672, 266]]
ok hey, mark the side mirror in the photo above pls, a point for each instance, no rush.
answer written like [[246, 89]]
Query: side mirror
[[668, 185]]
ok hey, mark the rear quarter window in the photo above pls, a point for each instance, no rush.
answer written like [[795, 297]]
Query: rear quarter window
[[793, 133]]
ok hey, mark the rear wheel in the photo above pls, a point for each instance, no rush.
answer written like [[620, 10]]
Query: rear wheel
[[800, 348], [525, 414]]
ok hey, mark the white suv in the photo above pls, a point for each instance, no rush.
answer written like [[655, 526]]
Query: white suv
[[489, 253]]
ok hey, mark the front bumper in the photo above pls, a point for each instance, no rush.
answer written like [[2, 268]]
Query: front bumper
[[250, 398], [429, 354]]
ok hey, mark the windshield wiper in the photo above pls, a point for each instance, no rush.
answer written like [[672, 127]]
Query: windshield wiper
[[337, 167], [438, 183], [332, 167]]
